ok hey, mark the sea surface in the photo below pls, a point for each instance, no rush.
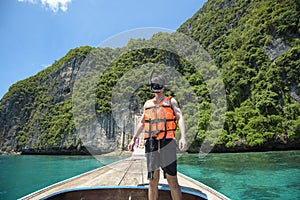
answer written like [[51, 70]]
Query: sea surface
[[247, 176], [253, 176]]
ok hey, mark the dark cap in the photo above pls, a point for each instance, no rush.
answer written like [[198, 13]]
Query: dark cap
[[158, 80]]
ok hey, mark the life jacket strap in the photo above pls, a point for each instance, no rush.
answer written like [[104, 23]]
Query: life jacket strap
[[157, 106], [159, 131], [157, 120]]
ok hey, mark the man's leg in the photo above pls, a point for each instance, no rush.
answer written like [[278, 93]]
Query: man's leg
[[153, 186], [174, 186]]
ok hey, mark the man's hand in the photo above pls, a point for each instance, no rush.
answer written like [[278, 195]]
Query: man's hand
[[182, 144], [131, 145]]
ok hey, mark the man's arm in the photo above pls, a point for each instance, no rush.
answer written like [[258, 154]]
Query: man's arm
[[181, 124], [140, 127]]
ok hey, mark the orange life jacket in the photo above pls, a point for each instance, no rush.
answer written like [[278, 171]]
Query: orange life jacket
[[159, 119]]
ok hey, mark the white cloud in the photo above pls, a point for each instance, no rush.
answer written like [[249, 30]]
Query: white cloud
[[54, 5], [30, 1]]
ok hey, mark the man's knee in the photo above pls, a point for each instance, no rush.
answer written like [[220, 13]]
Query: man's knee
[[155, 179], [153, 183], [173, 182]]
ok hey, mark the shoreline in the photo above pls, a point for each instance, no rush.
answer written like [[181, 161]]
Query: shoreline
[[10, 153], [128, 153], [218, 148]]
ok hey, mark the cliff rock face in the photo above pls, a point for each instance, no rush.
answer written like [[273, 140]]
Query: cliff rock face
[[254, 44], [27, 100]]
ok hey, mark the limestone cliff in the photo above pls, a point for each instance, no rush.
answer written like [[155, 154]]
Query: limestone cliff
[[26, 107], [254, 44]]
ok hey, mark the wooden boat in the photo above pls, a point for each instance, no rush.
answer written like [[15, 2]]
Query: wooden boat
[[125, 179], [122, 193]]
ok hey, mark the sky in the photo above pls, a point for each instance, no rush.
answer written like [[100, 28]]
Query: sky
[[35, 33]]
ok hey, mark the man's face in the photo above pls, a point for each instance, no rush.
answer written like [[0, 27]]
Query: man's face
[[156, 87]]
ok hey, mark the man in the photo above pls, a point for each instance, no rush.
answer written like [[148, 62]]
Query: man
[[159, 120]]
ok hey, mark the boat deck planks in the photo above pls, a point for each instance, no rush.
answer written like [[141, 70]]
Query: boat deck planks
[[129, 172]]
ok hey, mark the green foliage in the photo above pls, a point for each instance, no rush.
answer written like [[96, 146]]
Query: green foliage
[[262, 94], [44, 120], [262, 89]]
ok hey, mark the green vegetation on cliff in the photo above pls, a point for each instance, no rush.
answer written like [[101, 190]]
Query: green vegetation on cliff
[[256, 46], [254, 43], [36, 113]]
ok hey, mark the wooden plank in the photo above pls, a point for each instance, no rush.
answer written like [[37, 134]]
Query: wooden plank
[[135, 173], [127, 172]]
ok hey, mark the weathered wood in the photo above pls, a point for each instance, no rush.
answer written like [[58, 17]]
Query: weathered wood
[[127, 172]]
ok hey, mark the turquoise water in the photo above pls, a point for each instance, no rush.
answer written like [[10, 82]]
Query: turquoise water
[[253, 176], [21, 175], [257, 176]]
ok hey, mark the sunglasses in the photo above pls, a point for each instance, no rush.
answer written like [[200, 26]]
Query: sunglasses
[[156, 86]]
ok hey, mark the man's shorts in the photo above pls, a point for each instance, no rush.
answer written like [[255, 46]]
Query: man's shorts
[[162, 154]]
